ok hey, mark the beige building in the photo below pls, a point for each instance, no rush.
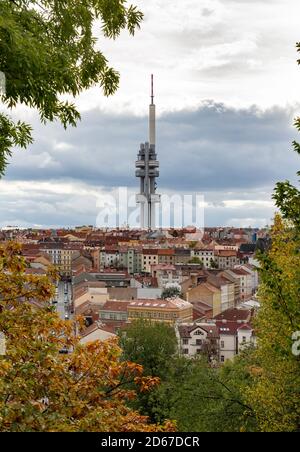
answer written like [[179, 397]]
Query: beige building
[[97, 332], [62, 257], [170, 310], [96, 295], [206, 293], [149, 258]]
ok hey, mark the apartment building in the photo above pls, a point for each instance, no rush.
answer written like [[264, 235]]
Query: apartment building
[[206, 256], [62, 256], [226, 259], [149, 257], [166, 275], [169, 311], [182, 255], [207, 293], [235, 332], [166, 256], [198, 339], [113, 311]]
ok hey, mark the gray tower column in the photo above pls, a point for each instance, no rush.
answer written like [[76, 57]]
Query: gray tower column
[[147, 170]]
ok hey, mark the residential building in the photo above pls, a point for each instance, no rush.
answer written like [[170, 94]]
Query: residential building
[[114, 310], [149, 258], [169, 311], [166, 256], [205, 255], [182, 255], [207, 293], [198, 339], [226, 259], [167, 275]]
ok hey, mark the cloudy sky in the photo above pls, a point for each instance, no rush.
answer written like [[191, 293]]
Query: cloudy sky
[[226, 83]]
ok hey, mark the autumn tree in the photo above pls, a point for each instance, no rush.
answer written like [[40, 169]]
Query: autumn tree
[[44, 390], [275, 396], [49, 51]]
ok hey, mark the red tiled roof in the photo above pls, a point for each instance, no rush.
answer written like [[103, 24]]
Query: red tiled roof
[[115, 306], [166, 252], [234, 314], [186, 330]]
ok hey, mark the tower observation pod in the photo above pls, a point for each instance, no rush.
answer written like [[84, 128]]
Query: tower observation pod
[[147, 170]]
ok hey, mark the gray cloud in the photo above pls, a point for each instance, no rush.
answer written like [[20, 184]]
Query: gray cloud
[[213, 147], [224, 153]]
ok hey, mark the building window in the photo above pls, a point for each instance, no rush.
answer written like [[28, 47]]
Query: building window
[[185, 351], [244, 339], [198, 342], [222, 344], [185, 341], [198, 351], [222, 358], [198, 333]]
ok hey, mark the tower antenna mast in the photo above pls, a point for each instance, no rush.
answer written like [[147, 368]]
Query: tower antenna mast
[[152, 90]]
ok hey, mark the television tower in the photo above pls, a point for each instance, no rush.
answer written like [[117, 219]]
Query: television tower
[[147, 171]]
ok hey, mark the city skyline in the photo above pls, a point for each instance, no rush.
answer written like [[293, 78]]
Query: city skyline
[[235, 146]]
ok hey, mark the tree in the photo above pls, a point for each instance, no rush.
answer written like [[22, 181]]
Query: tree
[[195, 260], [213, 264], [48, 50], [275, 396], [43, 390], [171, 292], [201, 398], [151, 344]]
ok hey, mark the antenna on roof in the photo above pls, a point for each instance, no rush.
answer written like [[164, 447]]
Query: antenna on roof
[[152, 89]]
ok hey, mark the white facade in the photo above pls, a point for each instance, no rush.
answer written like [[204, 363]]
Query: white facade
[[206, 256]]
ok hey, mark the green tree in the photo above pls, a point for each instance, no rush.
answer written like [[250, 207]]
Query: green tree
[[195, 260], [48, 51], [151, 344], [275, 396], [171, 292], [213, 264], [201, 398]]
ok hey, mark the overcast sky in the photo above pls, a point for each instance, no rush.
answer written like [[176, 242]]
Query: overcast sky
[[226, 83]]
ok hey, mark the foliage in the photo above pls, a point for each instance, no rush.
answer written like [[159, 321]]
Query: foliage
[[43, 390], [48, 51], [213, 264], [205, 399], [275, 396], [216, 395], [195, 260], [171, 292], [151, 344]]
